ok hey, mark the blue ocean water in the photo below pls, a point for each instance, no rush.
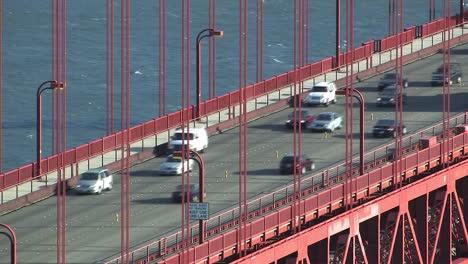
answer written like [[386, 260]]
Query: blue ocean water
[[27, 58]]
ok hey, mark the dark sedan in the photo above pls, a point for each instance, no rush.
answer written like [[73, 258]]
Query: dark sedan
[[453, 74], [303, 118], [391, 78], [191, 191], [387, 96], [387, 128], [303, 164]]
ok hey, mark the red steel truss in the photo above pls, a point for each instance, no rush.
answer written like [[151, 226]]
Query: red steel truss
[[393, 228]]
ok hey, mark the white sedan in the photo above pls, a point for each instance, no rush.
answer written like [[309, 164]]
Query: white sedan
[[173, 165], [327, 121]]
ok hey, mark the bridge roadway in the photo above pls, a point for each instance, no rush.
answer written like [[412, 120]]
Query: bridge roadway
[[93, 229]]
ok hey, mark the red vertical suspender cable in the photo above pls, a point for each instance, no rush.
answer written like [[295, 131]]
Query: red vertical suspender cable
[[244, 117], [110, 66], [397, 97], [185, 217], [296, 115], [63, 132], [239, 164], [162, 58], [432, 9], [446, 84], [347, 93], [125, 128], [122, 160], [108, 99], [185, 103], [1, 86], [351, 98], [186, 118], [54, 77], [242, 163], [349, 104], [183, 84], [259, 41], [300, 58], [57, 131], [400, 85], [53, 70], [211, 51], [59, 135], [400, 101], [306, 28], [127, 160], [389, 23]]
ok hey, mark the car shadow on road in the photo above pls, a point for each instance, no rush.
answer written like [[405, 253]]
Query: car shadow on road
[[146, 173], [160, 200], [356, 135], [271, 127], [419, 84], [260, 172]]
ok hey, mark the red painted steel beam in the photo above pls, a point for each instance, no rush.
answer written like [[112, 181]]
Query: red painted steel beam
[[351, 219]]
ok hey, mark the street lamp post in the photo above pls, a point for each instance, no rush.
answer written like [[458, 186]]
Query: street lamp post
[[358, 95], [201, 194], [52, 85], [209, 32]]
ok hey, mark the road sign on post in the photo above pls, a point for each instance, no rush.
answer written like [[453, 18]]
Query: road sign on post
[[198, 211]]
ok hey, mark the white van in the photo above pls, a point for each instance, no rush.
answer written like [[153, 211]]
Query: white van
[[196, 137]]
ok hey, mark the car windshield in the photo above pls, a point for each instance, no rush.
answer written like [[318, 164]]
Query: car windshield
[[89, 176], [389, 76], [174, 159], [385, 122], [192, 187], [324, 117], [288, 159], [320, 89], [179, 135], [453, 67], [388, 91]]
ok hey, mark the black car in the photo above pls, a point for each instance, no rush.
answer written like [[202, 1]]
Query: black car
[[303, 117], [303, 164], [192, 189], [387, 128], [453, 74], [391, 78], [387, 96]]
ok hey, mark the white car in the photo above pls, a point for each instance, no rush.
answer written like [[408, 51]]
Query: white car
[[327, 121], [173, 165], [198, 138], [95, 181], [323, 93]]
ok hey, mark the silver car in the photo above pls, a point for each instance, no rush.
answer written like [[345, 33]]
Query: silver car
[[327, 121], [173, 165], [95, 181]]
